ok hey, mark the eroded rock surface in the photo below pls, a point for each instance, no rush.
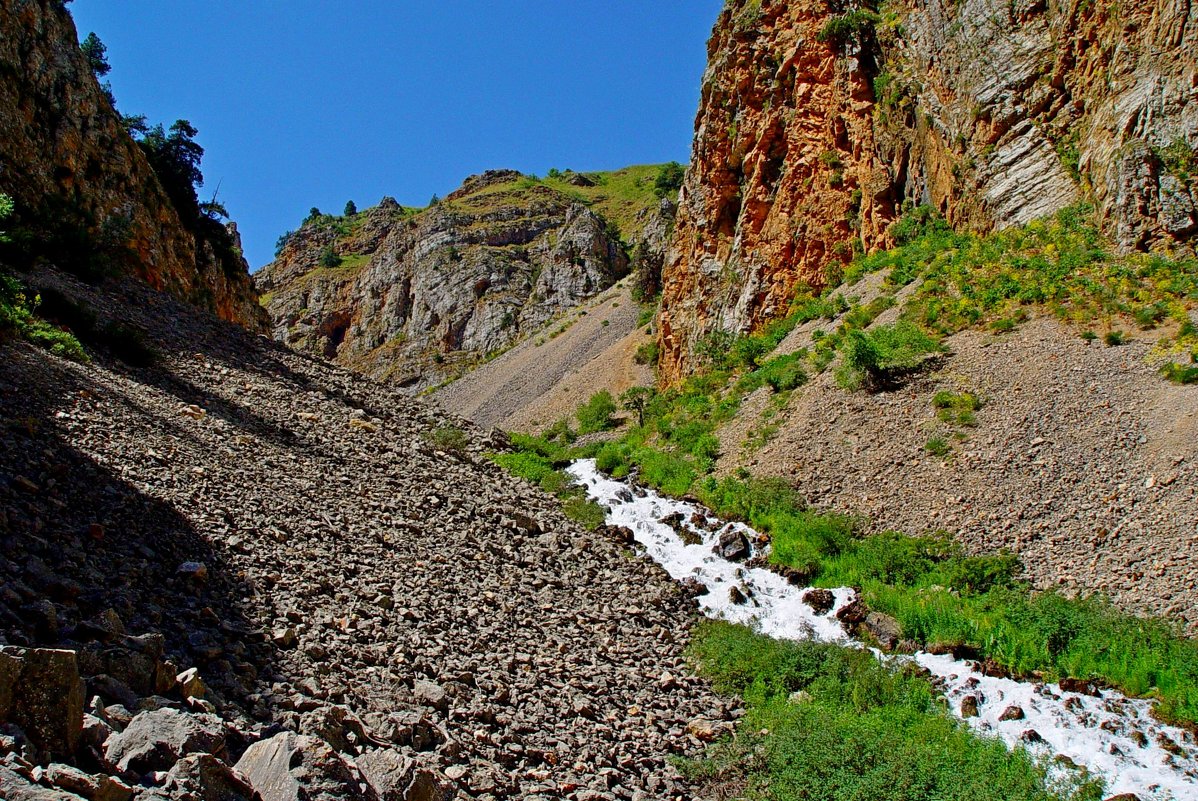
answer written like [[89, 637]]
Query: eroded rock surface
[[418, 296], [809, 144]]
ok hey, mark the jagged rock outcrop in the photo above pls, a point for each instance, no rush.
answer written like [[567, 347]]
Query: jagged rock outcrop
[[819, 125], [418, 296], [84, 190]]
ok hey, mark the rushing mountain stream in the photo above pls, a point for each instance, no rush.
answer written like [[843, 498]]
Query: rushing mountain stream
[[1111, 735]]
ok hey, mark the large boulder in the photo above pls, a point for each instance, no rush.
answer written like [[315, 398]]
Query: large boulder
[[291, 767], [94, 788], [15, 787], [734, 546], [136, 662], [202, 777], [389, 773], [338, 727], [41, 692], [883, 628], [157, 740]]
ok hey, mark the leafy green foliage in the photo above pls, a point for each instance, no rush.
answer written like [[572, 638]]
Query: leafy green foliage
[[669, 180], [96, 54], [175, 157], [7, 207], [539, 460], [941, 595], [17, 315], [351, 208], [329, 257], [1061, 264], [648, 353], [856, 26], [282, 242], [878, 356], [1180, 373], [858, 729], [635, 400], [938, 446], [450, 439], [596, 413]]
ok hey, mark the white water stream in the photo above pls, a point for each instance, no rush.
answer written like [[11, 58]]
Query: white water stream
[[1112, 736]]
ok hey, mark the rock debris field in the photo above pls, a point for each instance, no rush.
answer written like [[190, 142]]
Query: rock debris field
[[260, 560]]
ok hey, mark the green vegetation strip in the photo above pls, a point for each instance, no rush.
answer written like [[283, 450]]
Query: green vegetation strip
[[828, 723]]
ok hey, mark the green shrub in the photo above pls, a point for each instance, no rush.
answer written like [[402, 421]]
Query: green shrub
[[669, 180], [785, 373], [1114, 339], [56, 340], [588, 514], [856, 26], [329, 257], [450, 439], [648, 353], [876, 357], [527, 465], [1180, 373], [596, 413], [17, 315], [938, 446]]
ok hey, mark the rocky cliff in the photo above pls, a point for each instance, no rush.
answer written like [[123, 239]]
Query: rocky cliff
[[821, 123], [86, 196], [417, 296]]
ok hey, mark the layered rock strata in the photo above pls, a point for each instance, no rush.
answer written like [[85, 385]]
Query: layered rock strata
[[819, 126]]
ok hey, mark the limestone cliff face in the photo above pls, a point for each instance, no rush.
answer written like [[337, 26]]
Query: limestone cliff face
[[820, 122], [418, 296], [82, 185]]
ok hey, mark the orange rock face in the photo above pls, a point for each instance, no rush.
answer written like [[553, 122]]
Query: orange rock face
[[82, 185], [818, 127], [783, 178]]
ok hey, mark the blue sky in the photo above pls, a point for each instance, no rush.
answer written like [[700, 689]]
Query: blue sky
[[305, 103]]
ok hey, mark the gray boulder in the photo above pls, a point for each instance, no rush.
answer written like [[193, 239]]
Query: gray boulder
[[291, 767], [95, 788], [157, 740], [734, 546], [885, 629], [15, 787], [388, 771], [203, 777]]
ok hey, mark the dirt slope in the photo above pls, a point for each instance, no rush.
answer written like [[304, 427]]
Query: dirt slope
[[1083, 460], [545, 378]]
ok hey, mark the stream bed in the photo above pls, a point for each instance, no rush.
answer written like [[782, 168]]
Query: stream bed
[[1112, 736]]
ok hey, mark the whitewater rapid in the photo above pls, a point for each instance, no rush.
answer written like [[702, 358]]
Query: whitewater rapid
[[1110, 735]]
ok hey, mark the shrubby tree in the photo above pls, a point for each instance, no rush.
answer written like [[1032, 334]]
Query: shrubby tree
[[669, 180], [635, 400], [175, 157], [329, 257], [351, 208], [96, 54], [596, 413]]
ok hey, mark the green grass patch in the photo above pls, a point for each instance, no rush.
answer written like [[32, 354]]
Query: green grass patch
[[1061, 263], [540, 460], [17, 315], [857, 729], [876, 357]]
